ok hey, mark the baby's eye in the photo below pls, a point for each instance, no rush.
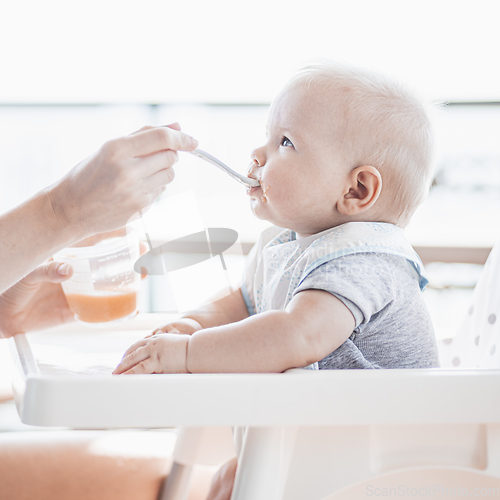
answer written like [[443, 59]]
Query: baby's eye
[[286, 142]]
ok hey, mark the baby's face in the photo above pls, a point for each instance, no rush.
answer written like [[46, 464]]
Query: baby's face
[[299, 167]]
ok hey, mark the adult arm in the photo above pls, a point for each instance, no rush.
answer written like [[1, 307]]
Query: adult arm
[[101, 193]]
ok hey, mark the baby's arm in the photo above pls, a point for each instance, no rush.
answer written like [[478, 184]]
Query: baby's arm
[[314, 324], [228, 309]]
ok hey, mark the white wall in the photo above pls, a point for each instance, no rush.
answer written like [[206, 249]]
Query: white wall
[[235, 51]]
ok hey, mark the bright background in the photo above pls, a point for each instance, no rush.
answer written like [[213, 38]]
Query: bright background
[[231, 51], [74, 74]]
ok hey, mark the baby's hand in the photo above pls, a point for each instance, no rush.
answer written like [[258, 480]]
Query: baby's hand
[[162, 353], [184, 325]]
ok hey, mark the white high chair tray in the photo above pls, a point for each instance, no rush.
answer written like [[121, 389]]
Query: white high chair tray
[[64, 379]]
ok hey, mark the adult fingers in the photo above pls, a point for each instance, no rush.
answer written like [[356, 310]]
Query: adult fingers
[[146, 127], [158, 139], [160, 178], [156, 194], [175, 126], [152, 163], [153, 196], [54, 272]]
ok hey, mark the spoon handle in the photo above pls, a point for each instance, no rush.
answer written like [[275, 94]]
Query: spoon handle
[[235, 175]]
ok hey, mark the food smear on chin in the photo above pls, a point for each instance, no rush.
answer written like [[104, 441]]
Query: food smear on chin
[[265, 189]]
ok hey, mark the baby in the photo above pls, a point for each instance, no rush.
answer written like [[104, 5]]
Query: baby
[[346, 163]]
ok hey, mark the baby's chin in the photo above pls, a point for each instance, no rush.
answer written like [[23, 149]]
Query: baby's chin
[[259, 209], [255, 208], [264, 212]]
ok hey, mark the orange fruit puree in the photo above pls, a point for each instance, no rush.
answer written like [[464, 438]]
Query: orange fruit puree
[[102, 308]]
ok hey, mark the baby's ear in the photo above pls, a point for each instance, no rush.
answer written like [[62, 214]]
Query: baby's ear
[[363, 189]]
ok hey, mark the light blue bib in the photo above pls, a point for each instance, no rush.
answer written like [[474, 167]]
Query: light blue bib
[[279, 262], [282, 262]]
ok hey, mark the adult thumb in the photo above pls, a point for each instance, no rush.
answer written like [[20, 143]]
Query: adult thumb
[[54, 272]]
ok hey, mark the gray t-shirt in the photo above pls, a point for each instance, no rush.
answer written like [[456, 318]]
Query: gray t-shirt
[[371, 268], [393, 327]]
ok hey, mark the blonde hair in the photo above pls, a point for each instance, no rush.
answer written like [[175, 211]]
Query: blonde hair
[[381, 124]]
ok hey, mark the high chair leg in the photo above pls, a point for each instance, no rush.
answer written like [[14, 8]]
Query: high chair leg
[[266, 455], [176, 487], [209, 446]]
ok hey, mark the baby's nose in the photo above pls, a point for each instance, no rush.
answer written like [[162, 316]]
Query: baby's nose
[[258, 156]]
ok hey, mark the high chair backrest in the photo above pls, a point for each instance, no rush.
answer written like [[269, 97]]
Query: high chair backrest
[[477, 342]]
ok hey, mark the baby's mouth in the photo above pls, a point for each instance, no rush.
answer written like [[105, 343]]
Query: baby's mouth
[[251, 190], [251, 174], [265, 189]]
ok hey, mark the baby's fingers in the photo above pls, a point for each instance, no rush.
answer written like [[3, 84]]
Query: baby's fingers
[[133, 347], [143, 367], [163, 329], [137, 356]]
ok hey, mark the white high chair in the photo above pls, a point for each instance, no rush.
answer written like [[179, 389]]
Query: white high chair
[[413, 432]]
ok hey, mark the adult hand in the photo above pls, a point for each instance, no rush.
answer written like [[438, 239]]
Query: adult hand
[[36, 302], [223, 481], [127, 174], [100, 194]]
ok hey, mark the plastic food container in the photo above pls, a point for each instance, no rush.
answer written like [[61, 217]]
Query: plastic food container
[[104, 285]]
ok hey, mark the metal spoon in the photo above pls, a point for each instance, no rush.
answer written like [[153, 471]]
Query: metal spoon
[[235, 175]]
